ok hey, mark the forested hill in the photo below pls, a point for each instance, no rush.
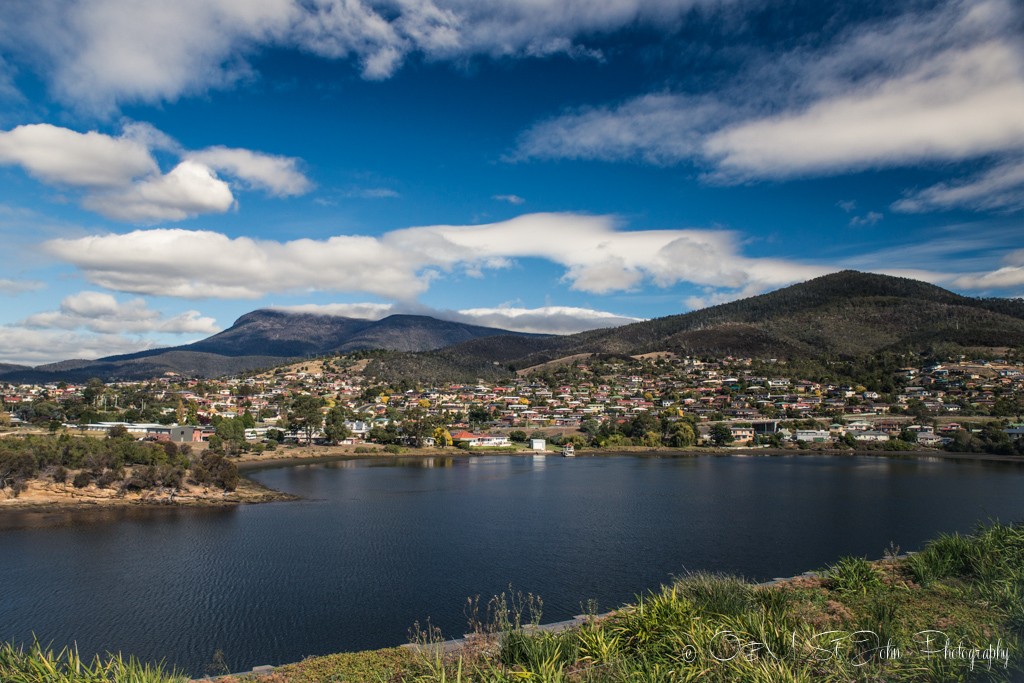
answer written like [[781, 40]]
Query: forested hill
[[846, 314]]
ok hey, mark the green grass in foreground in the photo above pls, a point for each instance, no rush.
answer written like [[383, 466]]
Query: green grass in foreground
[[39, 665], [953, 612]]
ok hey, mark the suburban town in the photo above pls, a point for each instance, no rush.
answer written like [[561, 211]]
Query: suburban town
[[656, 400]]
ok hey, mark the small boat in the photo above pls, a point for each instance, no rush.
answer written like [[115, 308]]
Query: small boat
[[568, 451]]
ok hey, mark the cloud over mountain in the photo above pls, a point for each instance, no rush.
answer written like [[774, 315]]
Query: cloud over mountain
[[598, 257]]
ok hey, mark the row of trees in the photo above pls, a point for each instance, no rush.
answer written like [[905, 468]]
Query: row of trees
[[117, 460]]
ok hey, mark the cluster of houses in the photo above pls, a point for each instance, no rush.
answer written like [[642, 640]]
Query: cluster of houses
[[751, 397]]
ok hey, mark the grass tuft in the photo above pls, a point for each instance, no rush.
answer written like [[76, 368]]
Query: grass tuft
[[40, 665]]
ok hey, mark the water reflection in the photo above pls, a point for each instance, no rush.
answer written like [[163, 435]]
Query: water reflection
[[377, 543], [11, 520]]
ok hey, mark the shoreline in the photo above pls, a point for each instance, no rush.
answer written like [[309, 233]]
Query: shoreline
[[250, 492], [320, 454], [42, 499]]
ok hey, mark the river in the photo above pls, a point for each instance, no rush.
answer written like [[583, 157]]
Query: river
[[378, 543]]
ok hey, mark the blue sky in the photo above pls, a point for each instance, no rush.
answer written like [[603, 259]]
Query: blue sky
[[529, 164]]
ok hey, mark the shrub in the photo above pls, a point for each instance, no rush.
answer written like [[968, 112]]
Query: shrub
[[214, 469], [59, 474], [106, 479], [82, 479], [853, 575]]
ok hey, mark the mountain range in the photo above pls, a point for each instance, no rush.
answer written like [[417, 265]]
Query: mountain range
[[843, 315], [263, 339]]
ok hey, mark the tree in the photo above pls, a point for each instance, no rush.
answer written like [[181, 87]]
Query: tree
[[517, 435], [44, 411], [335, 428], [442, 437], [590, 427], [232, 432], [651, 439], [681, 435], [117, 432], [93, 390], [721, 435], [416, 426], [305, 416], [479, 415], [388, 434], [642, 424]]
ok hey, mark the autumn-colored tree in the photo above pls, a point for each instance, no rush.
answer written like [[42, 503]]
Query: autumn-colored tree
[[442, 437]]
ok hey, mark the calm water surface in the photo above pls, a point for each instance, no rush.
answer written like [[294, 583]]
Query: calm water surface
[[377, 544]]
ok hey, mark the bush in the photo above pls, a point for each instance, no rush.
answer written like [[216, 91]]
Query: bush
[[393, 449], [59, 474], [106, 479], [213, 469], [16, 467], [853, 575], [82, 479]]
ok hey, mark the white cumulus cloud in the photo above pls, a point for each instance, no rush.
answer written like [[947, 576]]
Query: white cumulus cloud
[[598, 256], [276, 175], [122, 180], [103, 314], [100, 54], [189, 189], [24, 346], [65, 157]]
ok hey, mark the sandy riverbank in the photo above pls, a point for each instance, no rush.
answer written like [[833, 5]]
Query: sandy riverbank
[[47, 496]]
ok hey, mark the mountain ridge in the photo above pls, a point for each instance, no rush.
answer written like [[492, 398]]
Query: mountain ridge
[[264, 338], [842, 315]]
